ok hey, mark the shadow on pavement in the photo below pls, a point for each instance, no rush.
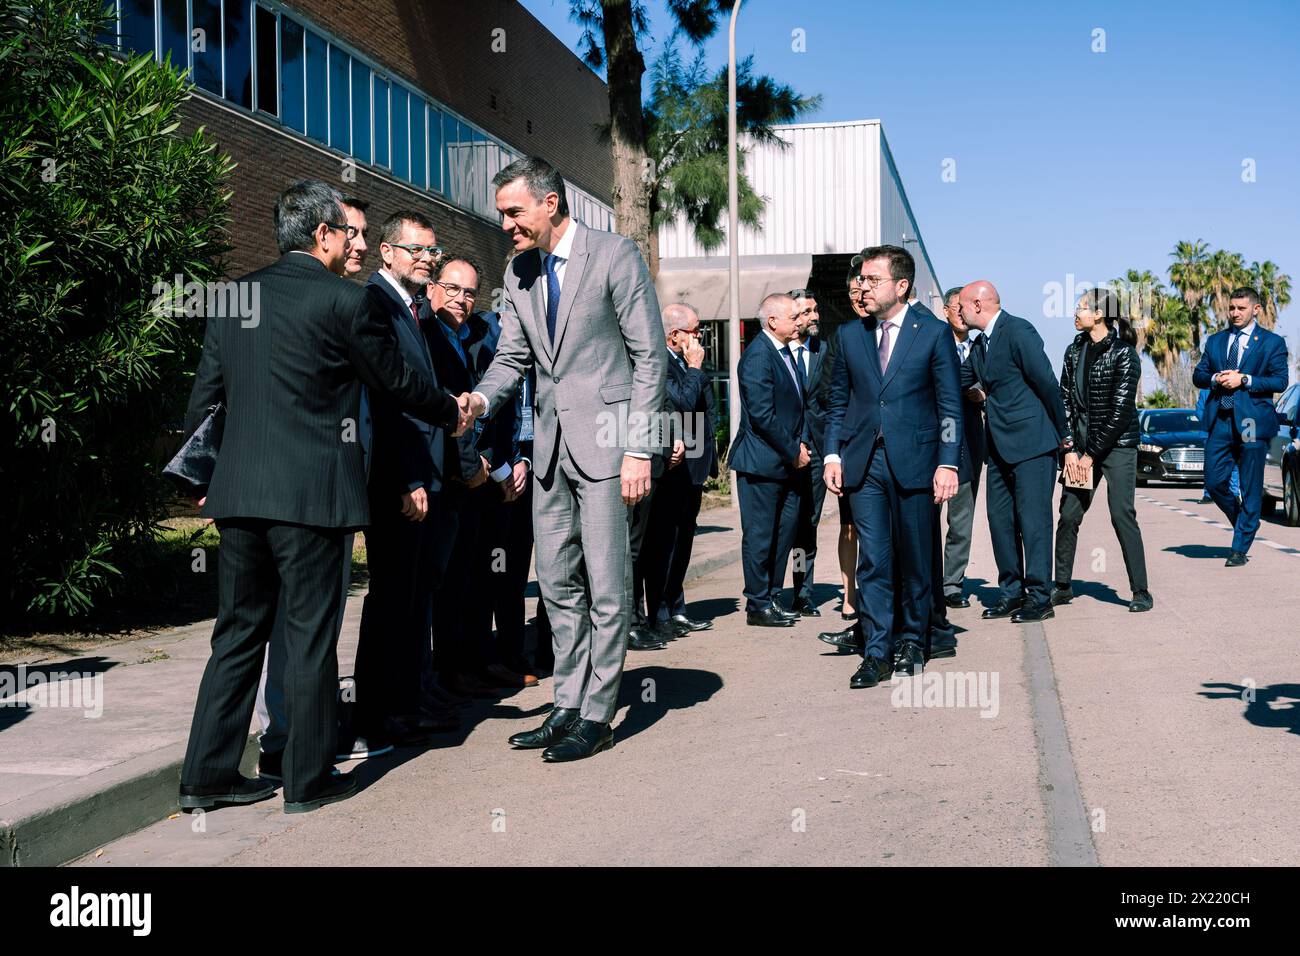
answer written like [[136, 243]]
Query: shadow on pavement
[[982, 592], [1199, 551], [711, 609], [672, 689], [1098, 591], [1274, 706], [45, 680]]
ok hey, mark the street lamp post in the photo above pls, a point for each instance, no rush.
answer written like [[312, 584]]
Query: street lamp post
[[733, 235]]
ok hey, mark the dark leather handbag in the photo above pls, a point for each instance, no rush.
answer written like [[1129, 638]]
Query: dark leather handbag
[[191, 469]]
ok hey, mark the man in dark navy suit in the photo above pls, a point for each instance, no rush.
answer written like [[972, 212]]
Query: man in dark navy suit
[[893, 442], [694, 459], [1243, 366], [961, 509], [1009, 372], [768, 455], [405, 488], [809, 354]]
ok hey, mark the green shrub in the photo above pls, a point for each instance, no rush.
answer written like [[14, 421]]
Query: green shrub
[[105, 201]]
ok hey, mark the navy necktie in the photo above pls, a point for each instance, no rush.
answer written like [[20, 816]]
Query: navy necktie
[[552, 297], [1228, 399], [794, 367]]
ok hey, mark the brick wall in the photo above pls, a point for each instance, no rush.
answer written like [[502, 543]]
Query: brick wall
[[269, 159], [444, 48]]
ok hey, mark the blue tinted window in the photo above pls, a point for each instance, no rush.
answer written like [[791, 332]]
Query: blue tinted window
[[137, 25], [293, 106], [340, 99], [435, 149], [361, 111], [417, 141], [239, 53], [268, 84], [175, 33], [381, 121], [401, 133], [317, 107], [207, 44]]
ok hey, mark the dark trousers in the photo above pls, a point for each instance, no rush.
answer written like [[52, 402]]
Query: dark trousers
[[395, 618], [508, 595], [769, 514], [459, 615], [640, 555], [1224, 450], [669, 542], [258, 559], [1020, 524], [805, 539], [1119, 468], [896, 554]]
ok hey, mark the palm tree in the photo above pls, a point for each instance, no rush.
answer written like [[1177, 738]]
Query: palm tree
[[1169, 337], [1274, 288], [1226, 271], [1188, 275]]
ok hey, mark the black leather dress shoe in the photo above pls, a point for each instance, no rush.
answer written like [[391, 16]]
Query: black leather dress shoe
[[806, 608], [1061, 595], [669, 631], [1032, 613], [872, 671], [1004, 608], [639, 640], [338, 788], [790, 615], [956, 601], [768, 617], [1236, 559], [241, 790], [909, 659], [270, 766], [681, 620], [585, 738], [846, 640], [552, 730], [1142, 601]]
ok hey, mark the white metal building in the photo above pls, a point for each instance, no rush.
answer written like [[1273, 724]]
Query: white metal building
[[832, 191]]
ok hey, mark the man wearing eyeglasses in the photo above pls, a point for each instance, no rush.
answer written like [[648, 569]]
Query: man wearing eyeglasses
[[893, 442], [406, 532]]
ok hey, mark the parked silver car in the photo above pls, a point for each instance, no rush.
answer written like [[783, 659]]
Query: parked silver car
[[1282, 466]]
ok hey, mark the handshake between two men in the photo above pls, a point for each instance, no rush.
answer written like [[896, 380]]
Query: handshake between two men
[[634, 475]]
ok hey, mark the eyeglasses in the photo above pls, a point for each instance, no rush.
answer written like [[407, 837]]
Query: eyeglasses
[[350, 231], [693, 333], [418, 251], [870, 282], [454, 290]]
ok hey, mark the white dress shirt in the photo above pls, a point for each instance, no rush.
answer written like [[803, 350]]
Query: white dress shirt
[[988, 329], [780, 347], [1244, 343], [563, 252]]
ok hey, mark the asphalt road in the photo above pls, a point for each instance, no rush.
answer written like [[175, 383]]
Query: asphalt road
[[1166, 738]]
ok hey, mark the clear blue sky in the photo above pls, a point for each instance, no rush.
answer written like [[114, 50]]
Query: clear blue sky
[[1067, 161]]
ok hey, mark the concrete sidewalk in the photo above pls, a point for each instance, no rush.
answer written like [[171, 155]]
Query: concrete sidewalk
[[106, 760]]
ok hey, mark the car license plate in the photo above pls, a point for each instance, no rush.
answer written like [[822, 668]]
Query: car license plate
[[1192, 466]]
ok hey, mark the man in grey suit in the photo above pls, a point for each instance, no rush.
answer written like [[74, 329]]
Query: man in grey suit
[[580, 309]]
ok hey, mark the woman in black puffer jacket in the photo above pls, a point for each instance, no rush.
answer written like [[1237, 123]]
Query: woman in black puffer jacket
[[1099, 383]]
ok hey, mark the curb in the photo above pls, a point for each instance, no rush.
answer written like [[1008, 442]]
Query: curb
[[104, 806], [97, 809]]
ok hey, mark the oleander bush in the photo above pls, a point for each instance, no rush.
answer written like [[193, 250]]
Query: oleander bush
[[103, 200]]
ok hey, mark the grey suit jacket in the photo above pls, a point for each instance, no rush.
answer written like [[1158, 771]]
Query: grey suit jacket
[[604, 374]]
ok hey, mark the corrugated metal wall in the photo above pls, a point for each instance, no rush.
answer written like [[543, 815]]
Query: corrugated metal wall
[[832, 189]]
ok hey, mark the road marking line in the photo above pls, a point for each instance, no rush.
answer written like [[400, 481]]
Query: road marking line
[[1069, 836], [1215, 523]]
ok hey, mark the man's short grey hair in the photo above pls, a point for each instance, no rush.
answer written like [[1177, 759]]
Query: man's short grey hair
[[772, 305], [540, 176], [678, 316], [300, 209], [948, 296]]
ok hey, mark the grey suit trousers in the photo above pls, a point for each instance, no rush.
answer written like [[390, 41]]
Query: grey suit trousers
[[961, 524], [581, 530]]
